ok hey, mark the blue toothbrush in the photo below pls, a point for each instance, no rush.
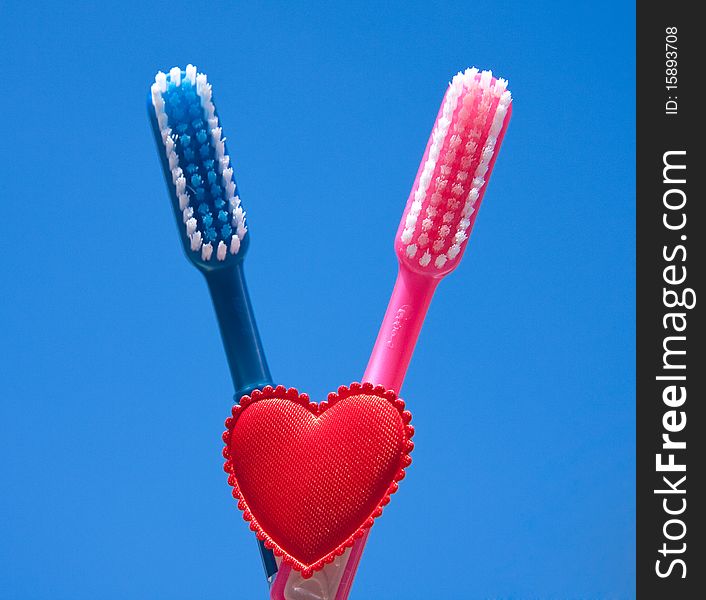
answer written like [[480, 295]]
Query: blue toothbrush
[[211, 219]]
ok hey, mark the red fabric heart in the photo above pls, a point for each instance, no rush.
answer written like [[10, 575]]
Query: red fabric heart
[[311, 477]]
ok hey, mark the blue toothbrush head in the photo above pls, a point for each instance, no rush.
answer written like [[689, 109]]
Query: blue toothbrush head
[[197, 169]]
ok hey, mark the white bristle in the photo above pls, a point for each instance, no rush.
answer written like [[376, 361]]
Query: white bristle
[[411, 219], [157, 98], [180, 185], [425, 259], [440, 261], [183, 201], [460, 237], [241, 230], [173, 160], [467, 209], [206, 93], [162, 121], [161, 80], [201, 81], [220, 149], [502, 108], [206, 251], [485, 78], [191, 74], [227, 176], [196, 241], [411, 250], [470, 73], [191, 225], [234, 244], [175, 76], [187, 213], [453, 251], [240, 227], [498, 122], [177, 174], [221, 251]]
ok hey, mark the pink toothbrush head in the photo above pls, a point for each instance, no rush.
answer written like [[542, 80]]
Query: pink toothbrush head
[[454, 172]]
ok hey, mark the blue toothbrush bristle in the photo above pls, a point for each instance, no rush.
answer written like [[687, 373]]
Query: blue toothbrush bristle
[[205, 190]]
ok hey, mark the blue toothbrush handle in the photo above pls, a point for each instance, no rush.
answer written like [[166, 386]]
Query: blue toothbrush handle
[[241, 340], [244, 352]]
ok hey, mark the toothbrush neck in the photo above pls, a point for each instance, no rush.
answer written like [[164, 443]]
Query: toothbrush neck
[[236, 321], [400, 329]]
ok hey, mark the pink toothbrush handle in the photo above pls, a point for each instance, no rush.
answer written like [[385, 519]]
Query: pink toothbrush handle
[[387, 366], [400, 329], [389, 360]]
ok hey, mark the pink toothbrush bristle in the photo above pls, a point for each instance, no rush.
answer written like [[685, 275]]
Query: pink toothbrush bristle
[[455, 169]]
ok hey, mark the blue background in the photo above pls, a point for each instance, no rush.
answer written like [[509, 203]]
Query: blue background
[[114, 387]]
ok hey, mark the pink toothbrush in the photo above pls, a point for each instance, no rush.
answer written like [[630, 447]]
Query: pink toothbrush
[[430, 241]]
